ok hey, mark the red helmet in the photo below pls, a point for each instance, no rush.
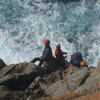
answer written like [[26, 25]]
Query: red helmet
[[46, 42]]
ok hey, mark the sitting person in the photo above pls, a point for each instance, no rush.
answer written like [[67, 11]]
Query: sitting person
[[60, 56], [46, 55], [77, 59]]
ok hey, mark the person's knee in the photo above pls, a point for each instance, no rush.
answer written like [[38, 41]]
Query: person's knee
[[35, 59]]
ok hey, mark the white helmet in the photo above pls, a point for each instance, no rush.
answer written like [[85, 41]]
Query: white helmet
[[58, 45]]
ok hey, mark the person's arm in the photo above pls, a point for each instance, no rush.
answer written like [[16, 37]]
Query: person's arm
[[65, 56], [64, 52]]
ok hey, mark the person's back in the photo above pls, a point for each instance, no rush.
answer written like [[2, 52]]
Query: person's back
[[47, 53], [60, 56], [76, 58]]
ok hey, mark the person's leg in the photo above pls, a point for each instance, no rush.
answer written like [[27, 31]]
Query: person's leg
[[64, 64], [61, 72], [41, 62], [35, 59]]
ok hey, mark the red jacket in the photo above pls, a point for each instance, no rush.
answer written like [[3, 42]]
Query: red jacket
[[59, 54]]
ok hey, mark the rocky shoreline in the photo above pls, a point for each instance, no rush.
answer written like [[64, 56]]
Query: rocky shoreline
[[24, 81]]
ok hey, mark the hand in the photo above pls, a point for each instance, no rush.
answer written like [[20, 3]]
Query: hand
[[65, 56], [64, 52]]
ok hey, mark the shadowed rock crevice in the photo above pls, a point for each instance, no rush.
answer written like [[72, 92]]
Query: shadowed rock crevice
[[22, 74], [84, 80], [17, 75], [2, 64]]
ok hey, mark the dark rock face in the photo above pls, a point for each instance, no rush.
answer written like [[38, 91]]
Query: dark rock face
[[24, 73], [58, 89], [26, 81], [18, 74], [92, 84], [77, 79], [49, 67], [72, 82], [2, 64], [4, 93]]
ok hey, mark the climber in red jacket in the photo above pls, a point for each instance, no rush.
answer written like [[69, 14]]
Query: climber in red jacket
[[60, 56]]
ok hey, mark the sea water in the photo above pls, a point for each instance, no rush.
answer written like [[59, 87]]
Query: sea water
[[25, 24]]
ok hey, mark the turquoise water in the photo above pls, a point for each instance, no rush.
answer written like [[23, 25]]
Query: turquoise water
[[24, 24]]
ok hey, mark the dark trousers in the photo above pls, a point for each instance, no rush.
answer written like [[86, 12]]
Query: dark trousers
[[61, 63], [38, 59], [75, 62]]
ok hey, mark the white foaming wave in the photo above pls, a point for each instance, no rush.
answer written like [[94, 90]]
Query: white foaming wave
[[97, 5], [96, 45], [32, 50], [5, 52], [37, 27], [92, 42], [81, 9], [94, 54]]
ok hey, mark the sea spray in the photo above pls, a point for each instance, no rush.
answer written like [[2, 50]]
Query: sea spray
[[24, 24]]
